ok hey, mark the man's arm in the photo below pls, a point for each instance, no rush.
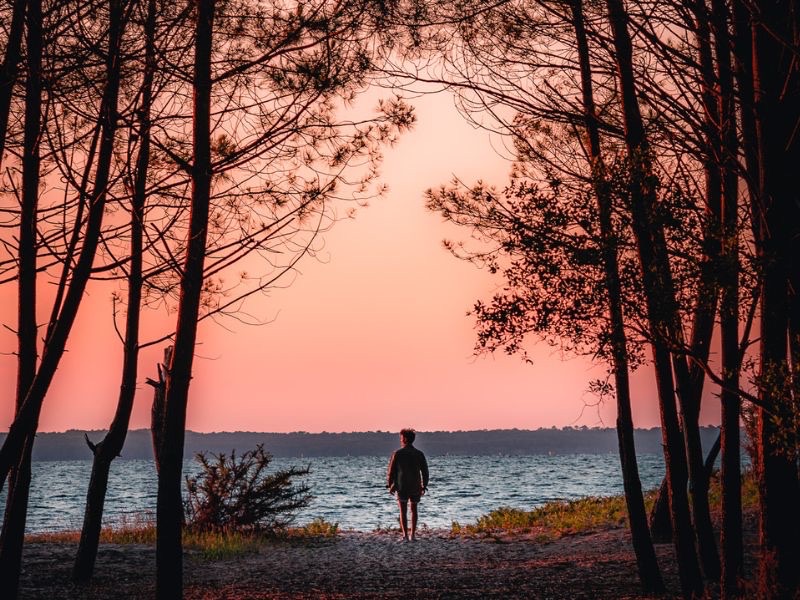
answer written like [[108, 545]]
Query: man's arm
[[424, 468], [391, 473]]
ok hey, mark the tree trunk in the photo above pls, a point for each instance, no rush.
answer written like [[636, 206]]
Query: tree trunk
[[157, 411], [777, 109], [730, 471], [743, 65], [659, 518], [12, 537], [660, 296], [111, 445], [26, 420], [169, 512], [649, 573]]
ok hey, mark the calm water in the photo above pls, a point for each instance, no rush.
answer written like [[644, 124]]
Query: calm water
[[351, 490]]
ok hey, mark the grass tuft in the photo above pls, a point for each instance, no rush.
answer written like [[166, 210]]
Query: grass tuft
[[213, 545], [318, 528]]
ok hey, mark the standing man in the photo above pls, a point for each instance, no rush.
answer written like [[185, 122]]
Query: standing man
[[408, 476]]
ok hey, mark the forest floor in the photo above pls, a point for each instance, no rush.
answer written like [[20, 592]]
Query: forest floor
[[360, 565]]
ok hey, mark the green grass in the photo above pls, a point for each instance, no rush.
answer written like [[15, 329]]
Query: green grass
[[557, 519], [553, 520]]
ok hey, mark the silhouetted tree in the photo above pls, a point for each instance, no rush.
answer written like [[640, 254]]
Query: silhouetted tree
[[13, 531], [16, 450], [105, 451], [776, 87], [643, 545]]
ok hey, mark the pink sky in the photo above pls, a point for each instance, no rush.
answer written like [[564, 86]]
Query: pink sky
[[375, 337]]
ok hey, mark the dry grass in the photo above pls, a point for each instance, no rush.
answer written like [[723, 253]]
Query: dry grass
[[558, 519], [141, 529]]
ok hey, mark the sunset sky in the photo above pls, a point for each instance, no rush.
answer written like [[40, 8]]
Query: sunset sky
[[374, 336]]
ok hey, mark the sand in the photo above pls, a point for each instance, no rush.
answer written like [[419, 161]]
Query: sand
[[366, 565]]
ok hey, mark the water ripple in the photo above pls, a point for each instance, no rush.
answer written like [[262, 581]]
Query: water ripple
[[351, 490]]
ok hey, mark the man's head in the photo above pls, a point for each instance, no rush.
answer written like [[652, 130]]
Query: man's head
[[407, 436]]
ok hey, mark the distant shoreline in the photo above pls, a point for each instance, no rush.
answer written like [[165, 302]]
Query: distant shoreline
[[71, 445]]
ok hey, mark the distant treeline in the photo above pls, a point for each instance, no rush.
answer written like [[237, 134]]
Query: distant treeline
[[70, 445]]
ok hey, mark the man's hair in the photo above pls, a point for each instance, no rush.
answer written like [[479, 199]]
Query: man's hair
[[409, 434]]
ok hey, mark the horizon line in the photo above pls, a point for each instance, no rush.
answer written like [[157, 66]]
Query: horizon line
[[419, 431]]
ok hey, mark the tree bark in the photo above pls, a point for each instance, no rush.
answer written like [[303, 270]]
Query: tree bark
[[12, 537], [730, 471], [111, 445], [776, 85], [743, 65], [660, 297], [169, 511], [157, 410], [26, 420], [649, 573]]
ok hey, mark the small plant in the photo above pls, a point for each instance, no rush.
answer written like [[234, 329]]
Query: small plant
[[234, 493], [214, 545], [319, 527]]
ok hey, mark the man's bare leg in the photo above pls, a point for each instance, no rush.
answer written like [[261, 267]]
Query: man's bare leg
[[404, 516], [413, 521]]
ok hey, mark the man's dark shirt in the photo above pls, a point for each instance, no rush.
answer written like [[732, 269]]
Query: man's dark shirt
[[405, 468]]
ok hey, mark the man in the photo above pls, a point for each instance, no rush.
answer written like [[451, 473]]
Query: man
[[408, 476]]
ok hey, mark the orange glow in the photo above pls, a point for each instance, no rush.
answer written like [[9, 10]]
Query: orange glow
[[374, 336]]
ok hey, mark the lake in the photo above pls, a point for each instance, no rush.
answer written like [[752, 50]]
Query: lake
[[351, 490]]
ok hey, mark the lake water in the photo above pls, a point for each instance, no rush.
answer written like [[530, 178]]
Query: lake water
[[351, 490]]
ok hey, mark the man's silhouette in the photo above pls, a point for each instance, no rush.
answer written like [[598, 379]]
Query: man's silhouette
[[408, 476]]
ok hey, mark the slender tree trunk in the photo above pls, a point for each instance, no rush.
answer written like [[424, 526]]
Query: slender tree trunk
[[776, 85], [169, 512], [691, 382], [26, 420], [730, 472], [111, 445], [660, 296], [649, 573], [9, 68], [743, 65], [13, 532]]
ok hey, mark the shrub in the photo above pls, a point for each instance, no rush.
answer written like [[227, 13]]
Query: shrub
[[234, 493], [317, 528]]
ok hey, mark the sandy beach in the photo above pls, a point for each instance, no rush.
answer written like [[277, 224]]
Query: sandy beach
[[366, 565]]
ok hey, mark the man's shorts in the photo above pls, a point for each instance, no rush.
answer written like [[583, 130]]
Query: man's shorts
[[413, 497]]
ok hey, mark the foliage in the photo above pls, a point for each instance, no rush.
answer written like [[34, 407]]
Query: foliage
[[318, 528], [556, 519], [544, 239], [749, 491], [237, 494], [552, 520]]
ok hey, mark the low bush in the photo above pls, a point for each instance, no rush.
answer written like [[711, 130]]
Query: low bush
[[236, 493]]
